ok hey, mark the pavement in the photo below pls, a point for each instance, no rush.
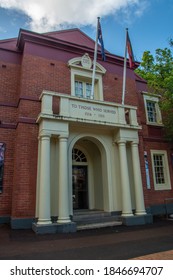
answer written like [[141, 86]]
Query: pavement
[[166, 255], [144, 242]]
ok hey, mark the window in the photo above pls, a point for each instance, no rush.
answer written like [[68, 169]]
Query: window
[[81, 78], [152, 109], [78, 156], [160, 170], [78, 89], [88, 90], [82, 89]]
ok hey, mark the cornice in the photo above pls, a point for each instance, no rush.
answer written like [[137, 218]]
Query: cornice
[[43, 39]]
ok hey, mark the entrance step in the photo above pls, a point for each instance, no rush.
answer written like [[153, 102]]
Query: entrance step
[[86, 219], [98, 225]]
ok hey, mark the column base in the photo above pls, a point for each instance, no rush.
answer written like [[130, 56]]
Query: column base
[[54, 228], [127, 215], [140, 212], [138, 220], [63, 221], [44, 222]]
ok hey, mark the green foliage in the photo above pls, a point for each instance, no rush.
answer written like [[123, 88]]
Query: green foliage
[[158, 72]]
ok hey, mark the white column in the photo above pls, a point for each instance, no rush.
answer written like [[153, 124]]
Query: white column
[[44, 189], [125, 185], [140, 207], [63, 205], [38, 178]]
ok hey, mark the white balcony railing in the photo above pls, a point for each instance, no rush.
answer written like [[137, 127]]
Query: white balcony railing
[[71, 108]]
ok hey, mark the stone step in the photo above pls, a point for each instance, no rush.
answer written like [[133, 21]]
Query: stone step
[[96, 219], [98, 225], [87, 219], [89, 215]]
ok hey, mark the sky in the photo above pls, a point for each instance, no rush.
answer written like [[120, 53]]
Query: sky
[[150, 22]]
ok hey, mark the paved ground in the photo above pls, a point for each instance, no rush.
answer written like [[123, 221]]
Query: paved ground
[[166, 255], [138, 242]]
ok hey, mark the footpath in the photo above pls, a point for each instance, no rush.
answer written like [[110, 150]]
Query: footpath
[[146, 242]]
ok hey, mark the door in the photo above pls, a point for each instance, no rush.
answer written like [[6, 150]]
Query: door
[[80, 187]]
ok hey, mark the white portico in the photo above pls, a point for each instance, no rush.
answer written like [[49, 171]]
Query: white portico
[[86, 148]]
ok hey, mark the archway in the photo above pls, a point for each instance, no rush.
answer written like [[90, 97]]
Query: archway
[[89, 161]]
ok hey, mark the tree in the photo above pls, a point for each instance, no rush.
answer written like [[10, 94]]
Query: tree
[[158, 72]]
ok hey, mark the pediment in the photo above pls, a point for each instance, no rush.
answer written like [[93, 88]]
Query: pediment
[[86, 63]]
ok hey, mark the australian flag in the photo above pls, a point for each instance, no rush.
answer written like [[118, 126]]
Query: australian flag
[[100, 38]]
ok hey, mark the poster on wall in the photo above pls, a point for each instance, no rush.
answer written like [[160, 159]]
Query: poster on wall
[[2, 152], [147, 170]]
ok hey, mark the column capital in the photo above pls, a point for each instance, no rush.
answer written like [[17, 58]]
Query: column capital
[[44, 134], [61, 137], [134, 143], [121, 141]]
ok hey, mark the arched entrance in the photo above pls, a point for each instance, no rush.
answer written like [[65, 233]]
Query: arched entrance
[[79, 179], [89, 175]]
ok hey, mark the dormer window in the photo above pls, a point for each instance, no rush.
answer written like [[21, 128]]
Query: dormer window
[[81, 78]]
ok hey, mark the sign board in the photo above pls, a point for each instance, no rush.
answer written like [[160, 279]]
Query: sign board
[[93, 111]]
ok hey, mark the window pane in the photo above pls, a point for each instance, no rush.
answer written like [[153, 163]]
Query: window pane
[[159, 168], [88, 90], [78, 89], [151, 110], [78, 156]]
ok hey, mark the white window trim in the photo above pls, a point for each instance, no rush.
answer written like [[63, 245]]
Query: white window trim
[[78, 71], [167, 184], [155, 99]]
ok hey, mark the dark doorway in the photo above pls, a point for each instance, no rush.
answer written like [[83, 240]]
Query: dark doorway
[[80, 187]]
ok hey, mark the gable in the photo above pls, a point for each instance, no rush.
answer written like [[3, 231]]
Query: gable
[[74, 36], [8, 44]]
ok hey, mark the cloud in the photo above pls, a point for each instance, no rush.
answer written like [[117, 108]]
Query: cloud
[[2, 30], [47, 15]]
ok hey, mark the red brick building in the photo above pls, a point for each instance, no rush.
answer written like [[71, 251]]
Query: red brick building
[[63, 150]]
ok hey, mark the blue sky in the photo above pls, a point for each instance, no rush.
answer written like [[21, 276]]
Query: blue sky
[[150, 22]]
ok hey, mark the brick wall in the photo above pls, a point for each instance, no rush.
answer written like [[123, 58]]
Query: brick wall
[[9, 81], [8, 137], [9, 86], [21, 86], [25, 163], [39, 73]]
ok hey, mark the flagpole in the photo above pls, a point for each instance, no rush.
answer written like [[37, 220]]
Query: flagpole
[[125, 70], [94, 63]]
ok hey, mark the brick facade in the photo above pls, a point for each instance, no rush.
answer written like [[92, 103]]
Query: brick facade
[[34, 63]]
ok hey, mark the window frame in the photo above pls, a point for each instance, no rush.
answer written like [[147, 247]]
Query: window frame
[[86, 77], [152, 113], [155, 100], [84, 74], [167, 184], [84, 88]]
